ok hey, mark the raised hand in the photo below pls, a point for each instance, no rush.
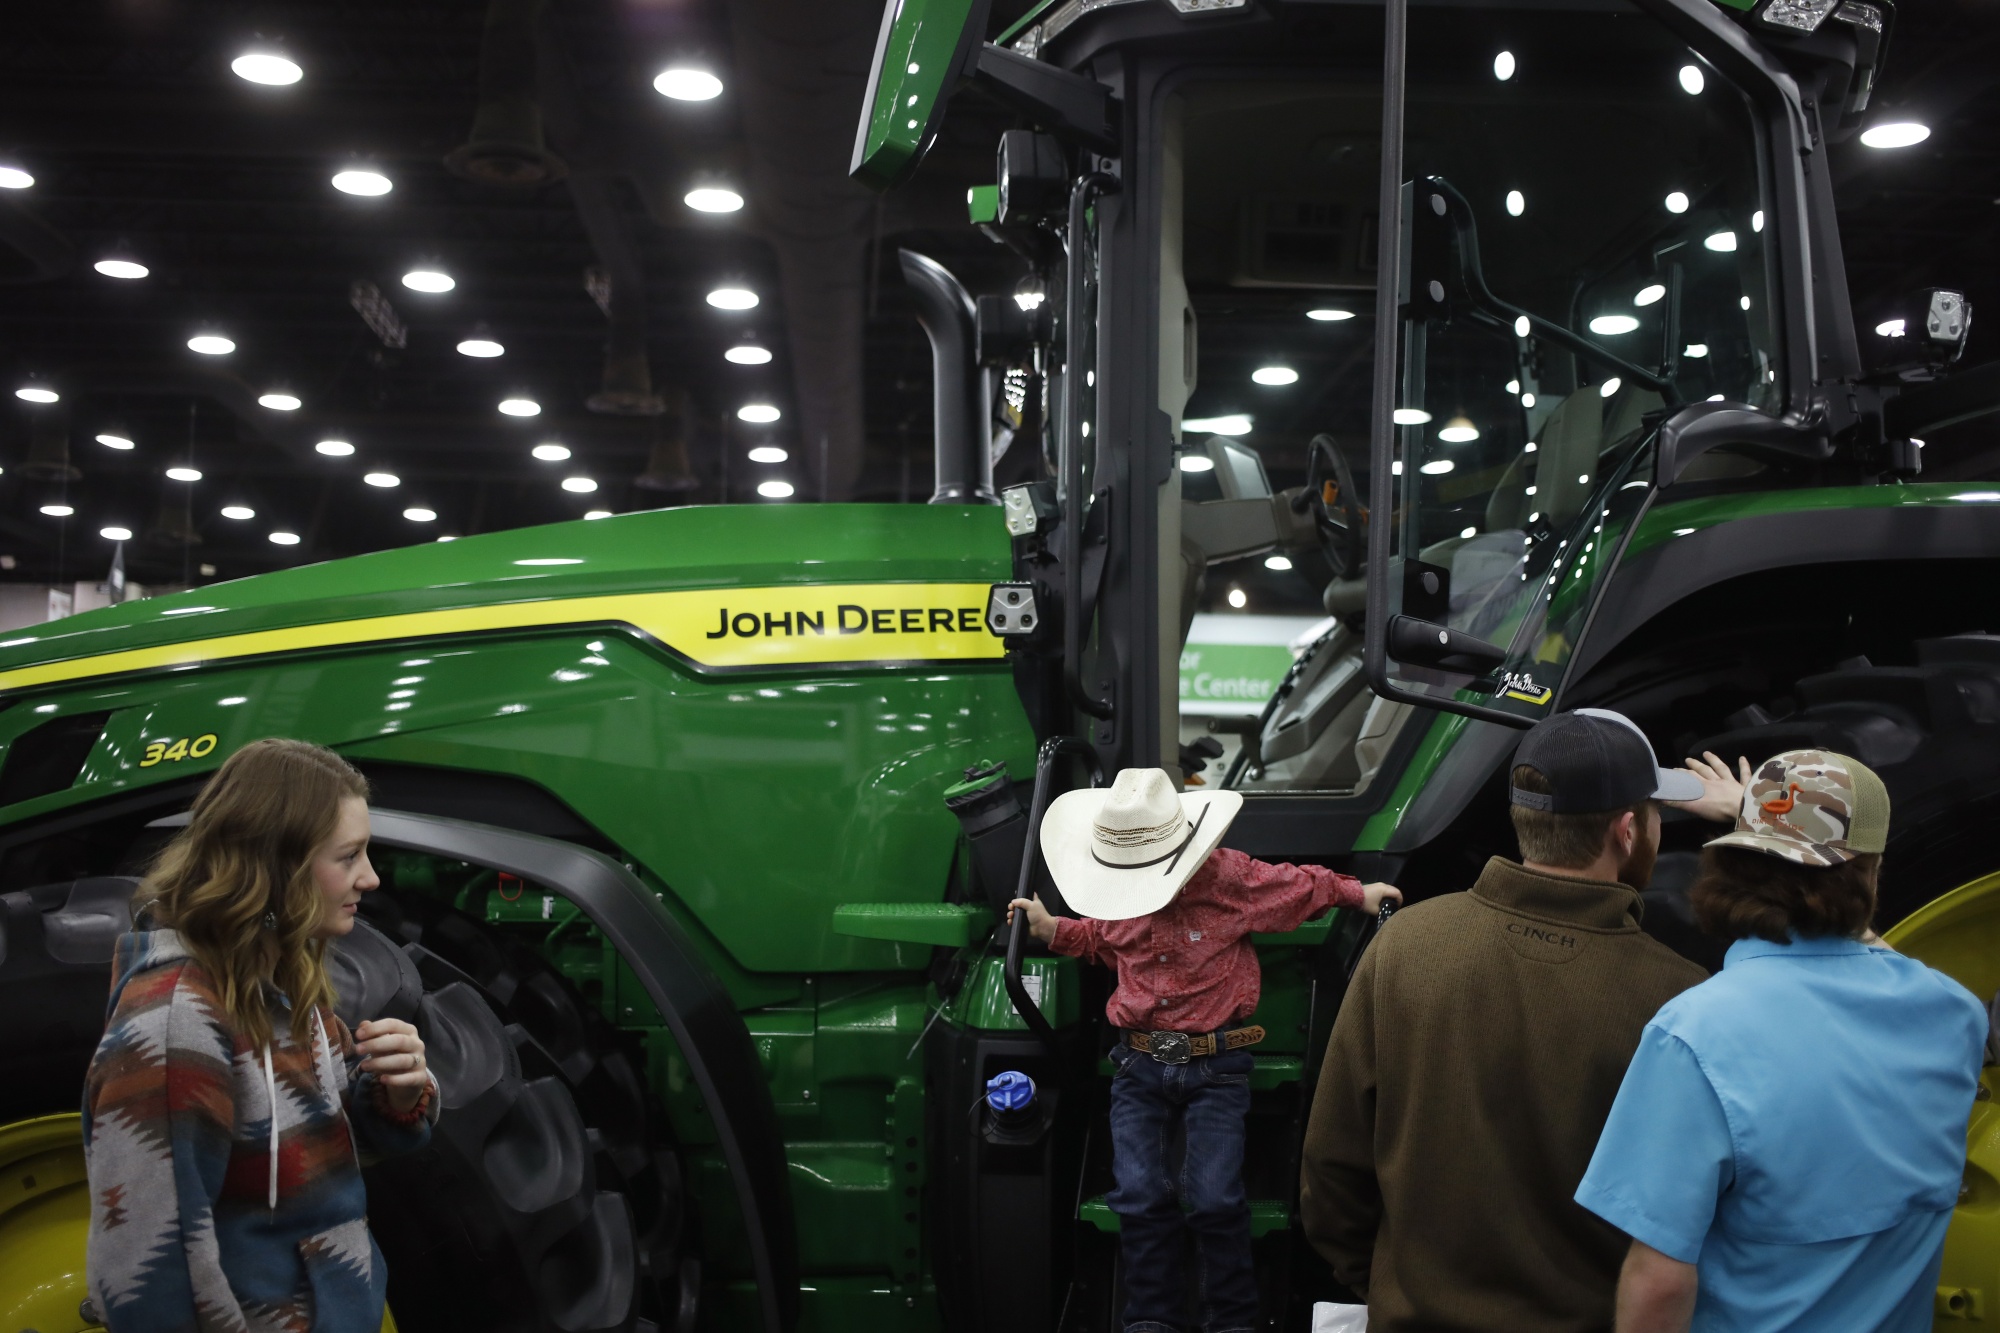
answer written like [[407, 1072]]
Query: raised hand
[[1722, 791]]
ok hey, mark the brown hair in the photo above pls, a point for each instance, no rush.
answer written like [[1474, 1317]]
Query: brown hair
[[247, 852], [1740, 893], [1569, 841]]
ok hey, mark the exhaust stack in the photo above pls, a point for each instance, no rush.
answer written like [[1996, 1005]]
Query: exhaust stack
[[961, 419]]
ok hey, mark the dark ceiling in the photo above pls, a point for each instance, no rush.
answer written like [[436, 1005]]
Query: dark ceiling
[[144, 145]]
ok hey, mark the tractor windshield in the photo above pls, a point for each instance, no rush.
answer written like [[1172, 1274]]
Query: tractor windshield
[[1611, 181]]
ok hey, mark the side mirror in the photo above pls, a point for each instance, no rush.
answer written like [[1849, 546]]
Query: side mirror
[[1923, 333]]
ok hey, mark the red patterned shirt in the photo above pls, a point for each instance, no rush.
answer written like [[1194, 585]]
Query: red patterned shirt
[[1189, 967]]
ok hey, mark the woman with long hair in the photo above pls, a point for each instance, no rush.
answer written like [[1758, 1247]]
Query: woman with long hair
[[226, 1106]]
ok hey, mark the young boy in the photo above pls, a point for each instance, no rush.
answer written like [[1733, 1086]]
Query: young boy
[[1172, 913]]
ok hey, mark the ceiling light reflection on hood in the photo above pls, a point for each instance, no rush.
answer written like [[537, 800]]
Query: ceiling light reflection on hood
[[266, 67], [365, 183], [597, 513], [713, 199], [685, 83], [1235, 423]]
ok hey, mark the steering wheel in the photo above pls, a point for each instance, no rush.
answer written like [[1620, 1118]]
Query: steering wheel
[[1336, 501]]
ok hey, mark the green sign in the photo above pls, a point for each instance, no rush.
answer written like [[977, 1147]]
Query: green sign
[[1233, 664]]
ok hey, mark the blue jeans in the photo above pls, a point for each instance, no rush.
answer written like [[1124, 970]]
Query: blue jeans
[[1157, 1206]]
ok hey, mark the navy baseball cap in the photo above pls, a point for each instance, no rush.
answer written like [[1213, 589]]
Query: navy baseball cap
[[1596, 760]]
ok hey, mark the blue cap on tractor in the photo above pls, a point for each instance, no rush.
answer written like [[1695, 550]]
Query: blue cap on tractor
[[1010, 1091]]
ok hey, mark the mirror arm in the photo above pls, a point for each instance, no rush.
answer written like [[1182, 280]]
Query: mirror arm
[[1700, 427], [1382, 426], [1068, 105]]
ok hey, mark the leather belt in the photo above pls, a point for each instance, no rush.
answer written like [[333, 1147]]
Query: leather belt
[[1177, 1048]]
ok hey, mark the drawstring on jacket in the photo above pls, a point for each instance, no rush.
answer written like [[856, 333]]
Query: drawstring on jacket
[[271, 1091]]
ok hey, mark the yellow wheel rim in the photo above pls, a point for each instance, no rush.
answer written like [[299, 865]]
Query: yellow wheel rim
[[44, 1224]]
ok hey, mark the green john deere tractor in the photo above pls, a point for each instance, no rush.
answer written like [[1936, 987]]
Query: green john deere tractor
[[695, 826]]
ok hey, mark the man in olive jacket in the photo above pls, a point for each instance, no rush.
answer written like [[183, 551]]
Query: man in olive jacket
[[1479, 1049]]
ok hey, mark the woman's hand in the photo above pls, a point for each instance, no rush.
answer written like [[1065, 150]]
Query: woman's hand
[[1374, 895], [1040, 924], [1722, 793], [392, 1051]]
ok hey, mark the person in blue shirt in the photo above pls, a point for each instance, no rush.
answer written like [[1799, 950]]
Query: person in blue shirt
[[1788, 1142]]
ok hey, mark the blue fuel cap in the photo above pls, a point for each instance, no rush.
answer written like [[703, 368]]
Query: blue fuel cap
[[1010, 1091]]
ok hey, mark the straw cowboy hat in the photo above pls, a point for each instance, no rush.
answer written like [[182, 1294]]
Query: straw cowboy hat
[[1125, 850]]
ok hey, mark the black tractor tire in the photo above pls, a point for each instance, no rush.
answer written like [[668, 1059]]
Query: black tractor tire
[[1932, 733], [548, 1200]]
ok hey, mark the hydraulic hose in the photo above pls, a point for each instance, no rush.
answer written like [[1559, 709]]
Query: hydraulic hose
[[1017, 932]]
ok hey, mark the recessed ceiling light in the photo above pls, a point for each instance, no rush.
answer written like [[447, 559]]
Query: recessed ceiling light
[[1197, 463], [1523, 326], [211, 344], [428, 280], [111, 441], [361, 182], [13, 178], [1744, 302], [1695, 351], [36, 394], [1275, 375], [1757, 220], [598, 513], [1517, 203], [1437, 467], [184, 473], [1649, 294], [1890, 328], [1503, 66], [1612, 325], [520, 407], [383, 479], [115, 533], [1677, 202], [760, 414], [1459, 430], [685, 83], [1329, 314], [1278, 562], [121, 268], [733, 298], [748, 354], [481, 347], [774, 490], [1895, 134], [285, 538], [419, 514], [550, 453], [279, 402], [713, 199], [580, 485], [58, 510], [1411, 416], [1692, 81], [1609, 387], [1721, 241], [335, 448], [238, 512], [1238, 598], [768, 453], [267, 67]]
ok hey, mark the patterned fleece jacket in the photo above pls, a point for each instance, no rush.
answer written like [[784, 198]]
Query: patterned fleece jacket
[[225, 1181]]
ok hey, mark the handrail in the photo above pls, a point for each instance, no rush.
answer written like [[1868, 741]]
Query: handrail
[[1017, 932], [1087, 187]]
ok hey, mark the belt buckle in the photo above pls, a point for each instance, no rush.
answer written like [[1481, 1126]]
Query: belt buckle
[[1170, 1048]]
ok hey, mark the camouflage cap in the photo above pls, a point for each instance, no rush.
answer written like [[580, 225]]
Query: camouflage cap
[[1814, 807]]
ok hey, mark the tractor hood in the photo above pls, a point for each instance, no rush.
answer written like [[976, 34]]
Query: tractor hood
[[674, 575]]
